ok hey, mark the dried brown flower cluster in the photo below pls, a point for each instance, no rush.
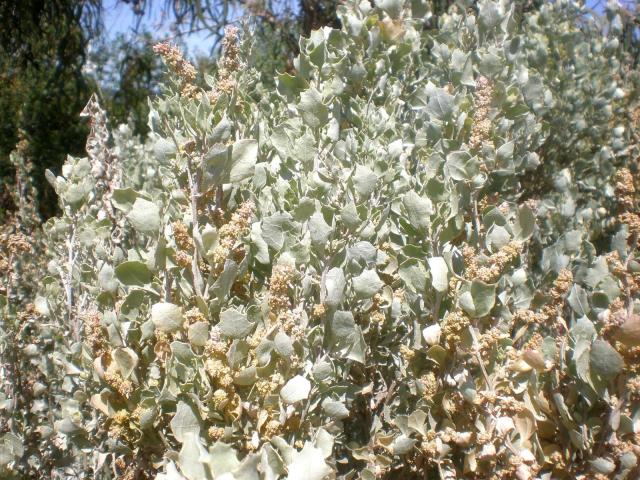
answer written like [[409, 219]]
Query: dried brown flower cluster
[[481, 130], [13, 244], [228, 65], [495, 264], [632, 221], [377, 316], [551, 310], [429, 385], [631, 281], [624, 188], [192, 316], [162, 346], [225, 399], [182, 236], [453, 325], [291, 323], [114, 380], [231, 232], [121, 428], [279, 285], [95, 334], [18, 244], [181, 67], [625, 191]]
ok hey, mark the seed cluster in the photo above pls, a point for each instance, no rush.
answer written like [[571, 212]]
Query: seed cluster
[[181, 67], [279, 285], [182, 236], [553, 308], [481, 130], [228, 65], [453, 325], [231, 232], [95, 334], [114, 380], [495, 264]]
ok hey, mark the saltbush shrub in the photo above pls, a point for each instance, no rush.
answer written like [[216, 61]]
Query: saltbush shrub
[[415, 258]]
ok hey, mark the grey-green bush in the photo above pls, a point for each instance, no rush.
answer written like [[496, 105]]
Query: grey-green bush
[[416, 259]]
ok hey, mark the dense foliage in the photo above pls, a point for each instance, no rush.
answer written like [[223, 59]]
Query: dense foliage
[[414, 257]]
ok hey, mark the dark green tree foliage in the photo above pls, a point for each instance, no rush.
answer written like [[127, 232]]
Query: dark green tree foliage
[[42, 86], [126, 72]]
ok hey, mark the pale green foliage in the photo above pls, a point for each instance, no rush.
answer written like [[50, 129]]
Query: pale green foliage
[[395, 264]]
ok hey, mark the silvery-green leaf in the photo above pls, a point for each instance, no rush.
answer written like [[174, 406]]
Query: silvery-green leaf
[[222, 459], [126, 359], [167, 317], [221, 132], [478, 299], [234, 324], [440, 104], [414, 275], [362, 253], [296, 389], [283, 344], [402, 444], [133, 273], [347, 336], [505, 152], [67, 426], [439, 273], [489, 14], [163, 149], [367, 284], [223, 284], [263, 352], [144, 216], [308, 464], [244, 154], [335, 410], [364, 180], [325, 442], [583, 329], [246, 376], [306, 207], [124, 198], [274, 228], [189, 458], [602, 465], [319, 229], [290, 85], [11, 449], [456, 165], [579, 301], [182, 352], [322, 371], [431, 334], [184, 421], [525, 224], [580, 356], [393, 8], [349, 216], [419, 210], [198, 334], [107, 279], [497, 237], [335, 284], [41, 304], [262, 249], [271, 463], [605, 360], [313, 111], [248, 468]]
